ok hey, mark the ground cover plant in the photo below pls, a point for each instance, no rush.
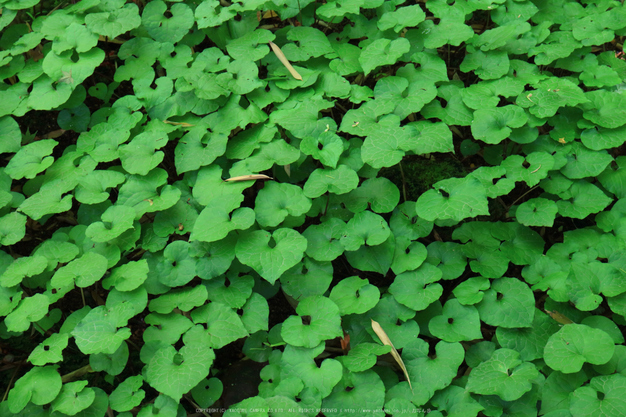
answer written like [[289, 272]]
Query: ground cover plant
[[313, 208]]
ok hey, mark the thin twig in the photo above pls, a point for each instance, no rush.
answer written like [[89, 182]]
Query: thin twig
[[523, 195], [403, 181], [6, 393]]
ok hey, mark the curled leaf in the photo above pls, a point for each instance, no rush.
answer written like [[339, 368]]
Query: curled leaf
[[385, 339], [282, 58]]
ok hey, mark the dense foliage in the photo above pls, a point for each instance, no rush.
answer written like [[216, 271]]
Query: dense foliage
[[437, 188]]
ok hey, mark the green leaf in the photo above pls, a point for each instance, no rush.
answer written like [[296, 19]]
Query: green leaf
[[581, 200], [83, 272], [232, 293], [299, 362], [493, 125], [20, 268], [529, 341], [365, 228], [318, 320], [433, 137], [449, 257], [50, 350], [31, 159], [504, 375], [127, 277], [276, 201], [471, 291], [224, 325], [73, 398], [382, 52], [599, 138], [176, 372], [92, 188], [489, 65], [363, 356], [337, 181], [374, 258], [408, 255], [67, 72], [454, 198], [582, 162], [139, 156], [326, 148], [102, 142], [199, 148], [112, 364], [558, 388], [405, 223], [210, 13], [271, 258], [455, 111], [307, 278], [97, 332], [166, 328], [40, 386], [30, 309], [386, 142], [354, 295], [456, 323], [113, 23], [184, 299], [324, 239], [612, 177], [401, 18], [167, 29], [531, 169], [207, 392], [251, 46], [115, 220], [429, 374], [356, 391], [416, 289], [602, 397], [177, 266], [537, 212], [308, 43], [508, 303], [575, 344], [215, 258], [339, 8], [11, 136], [300, 117], [127, 394], [255, 313], [12, 228], [216, 221], [551, 94], [378, 194]]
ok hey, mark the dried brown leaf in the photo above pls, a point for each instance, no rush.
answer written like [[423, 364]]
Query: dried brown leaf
[[559, 317], [249, 178], [385, 339], [282, 58]]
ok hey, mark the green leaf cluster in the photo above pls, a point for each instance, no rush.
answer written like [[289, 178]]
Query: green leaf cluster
[[265, 178]]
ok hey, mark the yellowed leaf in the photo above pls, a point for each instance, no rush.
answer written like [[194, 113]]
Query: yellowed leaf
[[385, 339], [559, 317], [282, 58], [249, 178], [183, 124]]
